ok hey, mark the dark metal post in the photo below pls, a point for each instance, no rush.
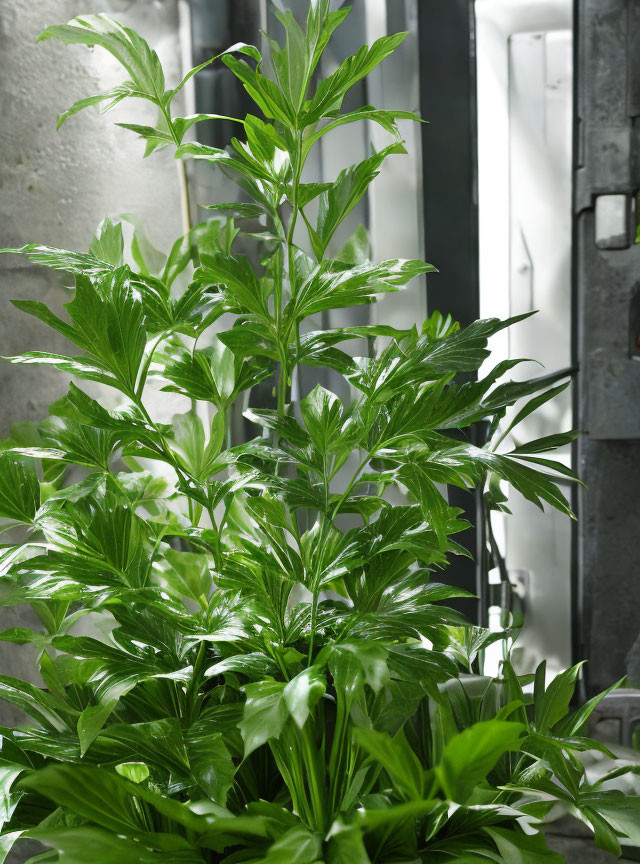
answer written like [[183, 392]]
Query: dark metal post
[[449, 152], [215, 26], [607, 273]]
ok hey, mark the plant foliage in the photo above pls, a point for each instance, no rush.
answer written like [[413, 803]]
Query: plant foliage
[[273, 673]]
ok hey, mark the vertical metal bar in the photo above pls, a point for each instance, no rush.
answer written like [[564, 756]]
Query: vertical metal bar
[[607, 167], [577, 647], [449, 142], [449, 152]]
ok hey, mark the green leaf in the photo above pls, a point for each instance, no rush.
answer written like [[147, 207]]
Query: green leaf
[[237, 282], [185, 251], [331, 91], [324, 289], [620, 810], [351, 664], [241, 47], [323, 417], [438, 514], [93, 793], [340, 199], [298, 845], [209, 374], [81, 409], [273, 103], [136, 772], [239, 209], [265, 713], [7, 842], [211, 765], [189, 574], [81, 844], [574, 723], [74, 365], [9, 773], [604, 836], [80, 444], [157, 743], [58, 259], [222, 371], [108, 244], [357, 249], [469, 756], [129, 49], [385, 118], [291, 63], [518, 848], [19, 488], [113, 97], [397, 758], [346, 845], [147, 258], [155, 138], [534, 485], [189, 441], [91, 721], [109, 324], [552, 704], [302, 693], [417, 664], [109, 800], [533, 405]]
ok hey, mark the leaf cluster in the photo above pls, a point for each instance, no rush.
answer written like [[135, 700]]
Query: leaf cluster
[[248, 651]]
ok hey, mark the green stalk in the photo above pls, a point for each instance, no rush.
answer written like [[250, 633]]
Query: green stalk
[[336, 758], [281, 387], [315, 585], [314, 620], [287, 756], [297, 173], [324, 525], [315, 777], [194, 685], [182, 175], [284, 370], [146, 365], [217, 550]]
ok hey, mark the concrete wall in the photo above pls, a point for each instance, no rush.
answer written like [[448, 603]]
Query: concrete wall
[[608, 171], [55, 187]]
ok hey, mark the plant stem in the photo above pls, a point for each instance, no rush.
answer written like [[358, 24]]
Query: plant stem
[[297, 172], [184, 197], [323, 531], [315, 780], [314, 620], [194, 684], [283, 371], [182, 176], [281, 388], [353, 481], [147, 364]]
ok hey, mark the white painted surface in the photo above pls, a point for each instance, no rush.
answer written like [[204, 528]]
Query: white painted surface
[[524, 143]]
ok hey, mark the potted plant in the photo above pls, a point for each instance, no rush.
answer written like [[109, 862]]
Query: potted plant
[[268, 683]]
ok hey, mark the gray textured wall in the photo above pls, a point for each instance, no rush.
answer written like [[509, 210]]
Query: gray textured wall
[[608, 109], [55, 187]]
